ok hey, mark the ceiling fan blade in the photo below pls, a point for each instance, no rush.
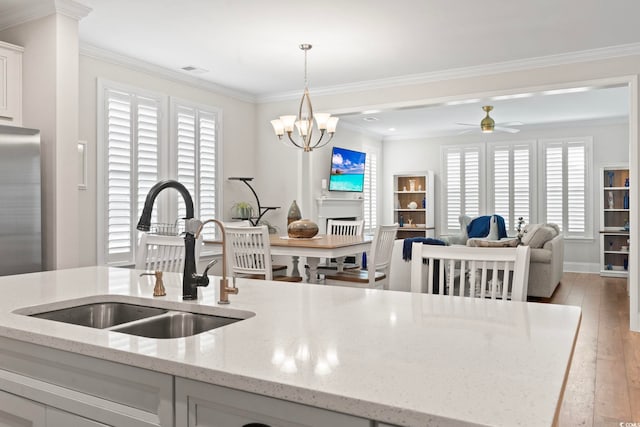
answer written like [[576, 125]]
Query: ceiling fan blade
[[516, 123], [504, 129], [467, 124], [466, 131]]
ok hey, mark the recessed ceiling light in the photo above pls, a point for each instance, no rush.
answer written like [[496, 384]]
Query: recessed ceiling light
[[462, 102], [371, 112], [370, 119], [514, 96], [392, 129], [568, 90]]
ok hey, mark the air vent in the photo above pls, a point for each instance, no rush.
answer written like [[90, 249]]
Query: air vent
[[194, 70]]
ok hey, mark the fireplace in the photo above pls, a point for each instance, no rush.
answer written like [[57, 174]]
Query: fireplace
[[337, 209]]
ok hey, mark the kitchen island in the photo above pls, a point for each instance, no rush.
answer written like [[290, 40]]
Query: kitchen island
[[303, 355]]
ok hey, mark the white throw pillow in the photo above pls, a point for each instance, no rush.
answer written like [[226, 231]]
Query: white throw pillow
[[537, 235]]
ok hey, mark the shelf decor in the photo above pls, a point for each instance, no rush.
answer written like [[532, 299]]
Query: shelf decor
[[614, 220], [413, 204]]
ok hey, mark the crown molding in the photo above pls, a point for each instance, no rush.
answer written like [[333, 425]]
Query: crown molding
[[464, 72], [72, 9], [361, 130], [22, 14], [98, 53]]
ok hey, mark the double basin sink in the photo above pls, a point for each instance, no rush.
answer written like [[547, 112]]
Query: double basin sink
[[141, 320]]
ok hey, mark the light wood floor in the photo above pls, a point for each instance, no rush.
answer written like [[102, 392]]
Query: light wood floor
[[603, 387]]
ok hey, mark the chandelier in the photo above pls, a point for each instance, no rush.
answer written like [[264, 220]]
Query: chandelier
[[304, 120]]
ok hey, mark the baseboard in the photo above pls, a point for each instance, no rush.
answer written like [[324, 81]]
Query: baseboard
[[581, 267]]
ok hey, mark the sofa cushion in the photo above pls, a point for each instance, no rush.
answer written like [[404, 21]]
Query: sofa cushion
[[536, 235], [479, 242]]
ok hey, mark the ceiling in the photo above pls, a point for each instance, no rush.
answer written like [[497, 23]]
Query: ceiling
[[251, 46]]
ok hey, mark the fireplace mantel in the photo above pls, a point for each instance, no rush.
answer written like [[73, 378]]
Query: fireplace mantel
[[329, 208]]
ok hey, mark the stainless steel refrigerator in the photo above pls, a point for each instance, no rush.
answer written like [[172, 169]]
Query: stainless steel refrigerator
[[20, 201]]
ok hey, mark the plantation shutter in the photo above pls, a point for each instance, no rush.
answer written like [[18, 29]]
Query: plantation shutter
[[131, 167], [370, 192], [454, 189], [511, 183], [197, 162], [576, 188], [186, 158], [554, 185], [462, 184]]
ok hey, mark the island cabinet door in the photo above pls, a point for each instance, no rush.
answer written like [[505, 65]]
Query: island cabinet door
[[19, 412], [56, 418], [204, 405]]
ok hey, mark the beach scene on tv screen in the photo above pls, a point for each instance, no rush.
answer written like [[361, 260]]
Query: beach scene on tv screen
[[347, 170]]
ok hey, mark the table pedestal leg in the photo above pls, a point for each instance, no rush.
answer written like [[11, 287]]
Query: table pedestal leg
[[294, 269], [313, 269], [340, 262]]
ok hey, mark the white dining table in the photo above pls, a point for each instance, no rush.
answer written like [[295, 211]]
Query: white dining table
[[317, 247]]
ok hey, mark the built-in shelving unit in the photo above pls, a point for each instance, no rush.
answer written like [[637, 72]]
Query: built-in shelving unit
[[614, 221], [414, 204]]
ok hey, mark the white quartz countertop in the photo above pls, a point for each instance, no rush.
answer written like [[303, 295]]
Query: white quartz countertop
[[397, 357]]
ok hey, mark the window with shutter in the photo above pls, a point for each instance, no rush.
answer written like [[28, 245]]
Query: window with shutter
[[462, 184], [370, 192], [130, 149], [196, 141], [566, 185], [510, 186], [135, 153]]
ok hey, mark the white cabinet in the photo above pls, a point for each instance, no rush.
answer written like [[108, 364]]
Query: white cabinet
[[413, 198], [10, 84], [205, 405], [614, 221], [20, 412], [86, 390]]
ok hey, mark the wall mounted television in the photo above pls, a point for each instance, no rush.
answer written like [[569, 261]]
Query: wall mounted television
[[347, 170]]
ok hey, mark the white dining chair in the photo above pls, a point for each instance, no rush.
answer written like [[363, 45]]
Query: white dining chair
[[163, 253], [337, 227], [276, 269], [378, 263], [249, 251], [496, 273]]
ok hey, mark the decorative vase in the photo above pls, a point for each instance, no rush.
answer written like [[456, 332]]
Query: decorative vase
[[412, 185], [302, 228], [610, 199], [294, 213]]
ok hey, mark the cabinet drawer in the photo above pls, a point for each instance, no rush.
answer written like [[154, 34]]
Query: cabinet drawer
[[205, 405]]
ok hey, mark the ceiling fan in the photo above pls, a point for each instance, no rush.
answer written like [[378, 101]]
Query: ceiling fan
[[488, 125]]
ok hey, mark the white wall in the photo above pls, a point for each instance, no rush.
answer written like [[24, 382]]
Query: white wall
[[238, 134], [610, 146]]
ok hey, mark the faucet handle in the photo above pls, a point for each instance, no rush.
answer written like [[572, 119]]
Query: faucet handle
[[191, 225], [158, 289]]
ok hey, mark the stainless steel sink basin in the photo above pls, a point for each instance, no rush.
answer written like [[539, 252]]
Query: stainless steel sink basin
[[175, 325], [101, 315], [131, 316]]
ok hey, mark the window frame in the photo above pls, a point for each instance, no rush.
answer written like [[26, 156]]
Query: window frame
[[166, 207], [587, 141], [374, 210]]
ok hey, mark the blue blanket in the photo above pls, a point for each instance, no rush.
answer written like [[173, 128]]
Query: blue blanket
[[479, 227], [406, 247]]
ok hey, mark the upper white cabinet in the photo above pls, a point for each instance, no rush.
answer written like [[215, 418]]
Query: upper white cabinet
[[10, 84]]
